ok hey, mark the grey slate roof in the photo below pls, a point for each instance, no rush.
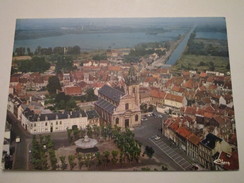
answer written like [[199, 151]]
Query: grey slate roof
[[92, 114], [105, 105], [111, 93], [211, 140], [31, 116]]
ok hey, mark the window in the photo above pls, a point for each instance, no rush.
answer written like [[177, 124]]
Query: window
[[46, 124], [134, 90], [56, 122], [117, 121], [34, 124], [126, 106], [136, 118], [60, 122]]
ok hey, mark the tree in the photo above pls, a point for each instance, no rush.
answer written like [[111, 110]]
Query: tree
[[63, 162], [53, 84], [71, 159], [53, 159], [211, 66], [99, 158], [80, 160], [149, 151], [106, 155], [114, 156]]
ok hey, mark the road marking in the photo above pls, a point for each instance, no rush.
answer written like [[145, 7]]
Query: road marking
[[171, 153], [167, 154], [178, 158], [182, 160], [185, 163]]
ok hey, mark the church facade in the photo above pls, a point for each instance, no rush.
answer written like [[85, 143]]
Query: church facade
[[120, 107]]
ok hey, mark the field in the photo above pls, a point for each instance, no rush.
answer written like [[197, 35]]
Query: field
[[202, 63]]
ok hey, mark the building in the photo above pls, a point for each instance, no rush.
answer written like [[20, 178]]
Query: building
[[73, 90], [175, 100], [120, 107], [209, 150], [52, 122]]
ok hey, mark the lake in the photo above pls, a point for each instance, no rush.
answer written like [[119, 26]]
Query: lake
[[98, 40]]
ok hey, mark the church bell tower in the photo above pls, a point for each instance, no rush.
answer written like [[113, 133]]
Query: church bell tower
[[132, 85]]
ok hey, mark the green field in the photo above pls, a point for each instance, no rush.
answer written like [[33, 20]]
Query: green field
[[202, 63]]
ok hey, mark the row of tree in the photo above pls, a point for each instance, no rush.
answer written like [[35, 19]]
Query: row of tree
[[42, 152], [22, 51], [36, 64], [199, 48]]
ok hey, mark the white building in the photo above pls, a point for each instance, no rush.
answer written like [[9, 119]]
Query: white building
[[53, 122]]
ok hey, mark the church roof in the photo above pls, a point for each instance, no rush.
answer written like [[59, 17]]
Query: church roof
[[111, 93], [108, 107]]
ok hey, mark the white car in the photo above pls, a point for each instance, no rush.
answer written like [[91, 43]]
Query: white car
[[157, 137], [17, 139]]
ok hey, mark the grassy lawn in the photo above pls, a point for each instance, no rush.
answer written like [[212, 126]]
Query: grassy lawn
[[201, 63]]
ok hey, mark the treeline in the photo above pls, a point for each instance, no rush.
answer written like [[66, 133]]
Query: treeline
[[211, 28], [201, 48], [145, 49], [22, 51], [36, 64]]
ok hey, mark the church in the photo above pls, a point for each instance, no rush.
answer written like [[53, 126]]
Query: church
[[120, 107]]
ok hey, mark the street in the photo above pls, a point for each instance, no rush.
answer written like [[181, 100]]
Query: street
[[169, 155], [21, 154]]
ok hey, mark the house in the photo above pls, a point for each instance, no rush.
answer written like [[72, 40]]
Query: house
[[192, 146], [103, 63], [88, 63], [73, 90], [175, 100], [157, 96], [227, 161], [209, 149]]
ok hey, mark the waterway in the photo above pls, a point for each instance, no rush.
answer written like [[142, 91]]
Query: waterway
[[179, 49]]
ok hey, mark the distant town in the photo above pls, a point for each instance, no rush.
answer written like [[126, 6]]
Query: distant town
[[123, 109]]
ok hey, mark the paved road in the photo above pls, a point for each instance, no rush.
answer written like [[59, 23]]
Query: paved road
[[170, 156], [21, 155]]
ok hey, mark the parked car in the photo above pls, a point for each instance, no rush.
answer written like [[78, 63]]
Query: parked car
[[17, 139], [157, 137]]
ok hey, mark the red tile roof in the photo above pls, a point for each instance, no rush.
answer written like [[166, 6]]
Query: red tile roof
[[232, 162], [72, 90], [203, 75], [178, 89], [182, 131], [114, 68], [174, 126], [174, 97], [157, 94], [190, 110], [208, 115], [194, 139]]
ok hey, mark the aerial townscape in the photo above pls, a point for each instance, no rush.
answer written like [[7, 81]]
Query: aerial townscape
[[134, 94]]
